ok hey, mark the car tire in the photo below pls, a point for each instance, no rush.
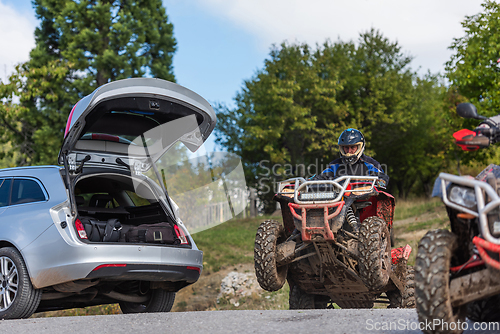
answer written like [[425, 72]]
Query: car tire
[[160, 301], [374, 253], [270, 277], [18, 298], [432, 281]]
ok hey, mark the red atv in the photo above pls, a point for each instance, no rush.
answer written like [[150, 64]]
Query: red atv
[[334, 246], [458, 271]]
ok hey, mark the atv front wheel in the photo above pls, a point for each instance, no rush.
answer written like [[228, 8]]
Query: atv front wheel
[[406, 298], [374, 253], [270, 276], [432, 282]]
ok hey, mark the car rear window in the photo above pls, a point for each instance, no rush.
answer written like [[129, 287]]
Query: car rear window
[[97, 200], [136, 199], [26, 191]]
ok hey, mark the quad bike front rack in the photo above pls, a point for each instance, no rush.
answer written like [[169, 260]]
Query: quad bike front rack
[[335, 200], [300, 184], [487, 242], [309, 231], [480, 187]]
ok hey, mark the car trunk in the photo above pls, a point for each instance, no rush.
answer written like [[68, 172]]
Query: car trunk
[[112, 208], [119, 132]]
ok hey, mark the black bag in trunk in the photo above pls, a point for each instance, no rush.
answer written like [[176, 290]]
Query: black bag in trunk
[[162, 233], [102, 231]]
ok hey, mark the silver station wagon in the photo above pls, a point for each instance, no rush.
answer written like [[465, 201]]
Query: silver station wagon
[[102, 229]]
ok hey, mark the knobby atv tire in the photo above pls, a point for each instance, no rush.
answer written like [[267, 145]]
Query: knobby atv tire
[[300, 300], [432, 282], [270, 277], [484, 310], [374, 253], [406, 298], [27, 298], [160, 301]]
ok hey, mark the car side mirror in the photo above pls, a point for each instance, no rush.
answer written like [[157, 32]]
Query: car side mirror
[[468, 110]]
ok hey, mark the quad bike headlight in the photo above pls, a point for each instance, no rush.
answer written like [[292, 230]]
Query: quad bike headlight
[[323, 196], [463, 196]]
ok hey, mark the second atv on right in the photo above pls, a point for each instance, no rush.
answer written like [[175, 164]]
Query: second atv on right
[[457, 272]]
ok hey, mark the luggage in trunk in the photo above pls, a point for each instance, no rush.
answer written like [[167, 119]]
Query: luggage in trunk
[[102, 231], [162, 233]]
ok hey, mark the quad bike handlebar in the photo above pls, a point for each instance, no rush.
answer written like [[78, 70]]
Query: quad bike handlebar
[[469, 140]]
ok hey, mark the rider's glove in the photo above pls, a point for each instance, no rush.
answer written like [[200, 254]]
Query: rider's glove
[[381, 183]]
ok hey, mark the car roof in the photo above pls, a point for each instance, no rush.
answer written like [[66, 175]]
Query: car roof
[[13, 170]]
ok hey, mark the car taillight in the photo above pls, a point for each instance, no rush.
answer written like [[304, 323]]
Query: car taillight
[[180, 235], [194, 268], [80, 229], [113, 265]]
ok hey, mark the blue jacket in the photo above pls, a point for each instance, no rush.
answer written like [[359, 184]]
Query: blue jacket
[[365, 166]]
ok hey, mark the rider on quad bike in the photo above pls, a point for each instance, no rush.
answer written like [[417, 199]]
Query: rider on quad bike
[[352, 160], [457, 272], [334, 245]]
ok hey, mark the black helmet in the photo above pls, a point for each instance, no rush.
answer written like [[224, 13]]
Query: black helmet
[[351, 137]]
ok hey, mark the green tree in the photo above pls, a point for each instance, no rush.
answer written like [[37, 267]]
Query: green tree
[[473, 67], [293, 111], [379, 90], [80, 45], [474, 72], [275, 122]]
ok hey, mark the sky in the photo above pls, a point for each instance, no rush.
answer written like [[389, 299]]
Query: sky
[[222, 43]]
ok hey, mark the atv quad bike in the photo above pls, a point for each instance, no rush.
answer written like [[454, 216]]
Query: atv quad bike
[[334, 246], [457, 272]]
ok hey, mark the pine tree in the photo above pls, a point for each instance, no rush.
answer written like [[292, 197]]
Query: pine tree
[[80, 45]]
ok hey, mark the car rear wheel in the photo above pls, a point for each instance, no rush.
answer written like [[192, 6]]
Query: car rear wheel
[[18, 298], [160, 301]]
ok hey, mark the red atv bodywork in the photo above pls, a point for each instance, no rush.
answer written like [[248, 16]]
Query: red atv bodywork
[[483, 246], [382, 206]]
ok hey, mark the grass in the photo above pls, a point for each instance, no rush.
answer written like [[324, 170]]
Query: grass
[[414, 218], [228, 244], [427, 225], [415, 207], [91, 310]]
